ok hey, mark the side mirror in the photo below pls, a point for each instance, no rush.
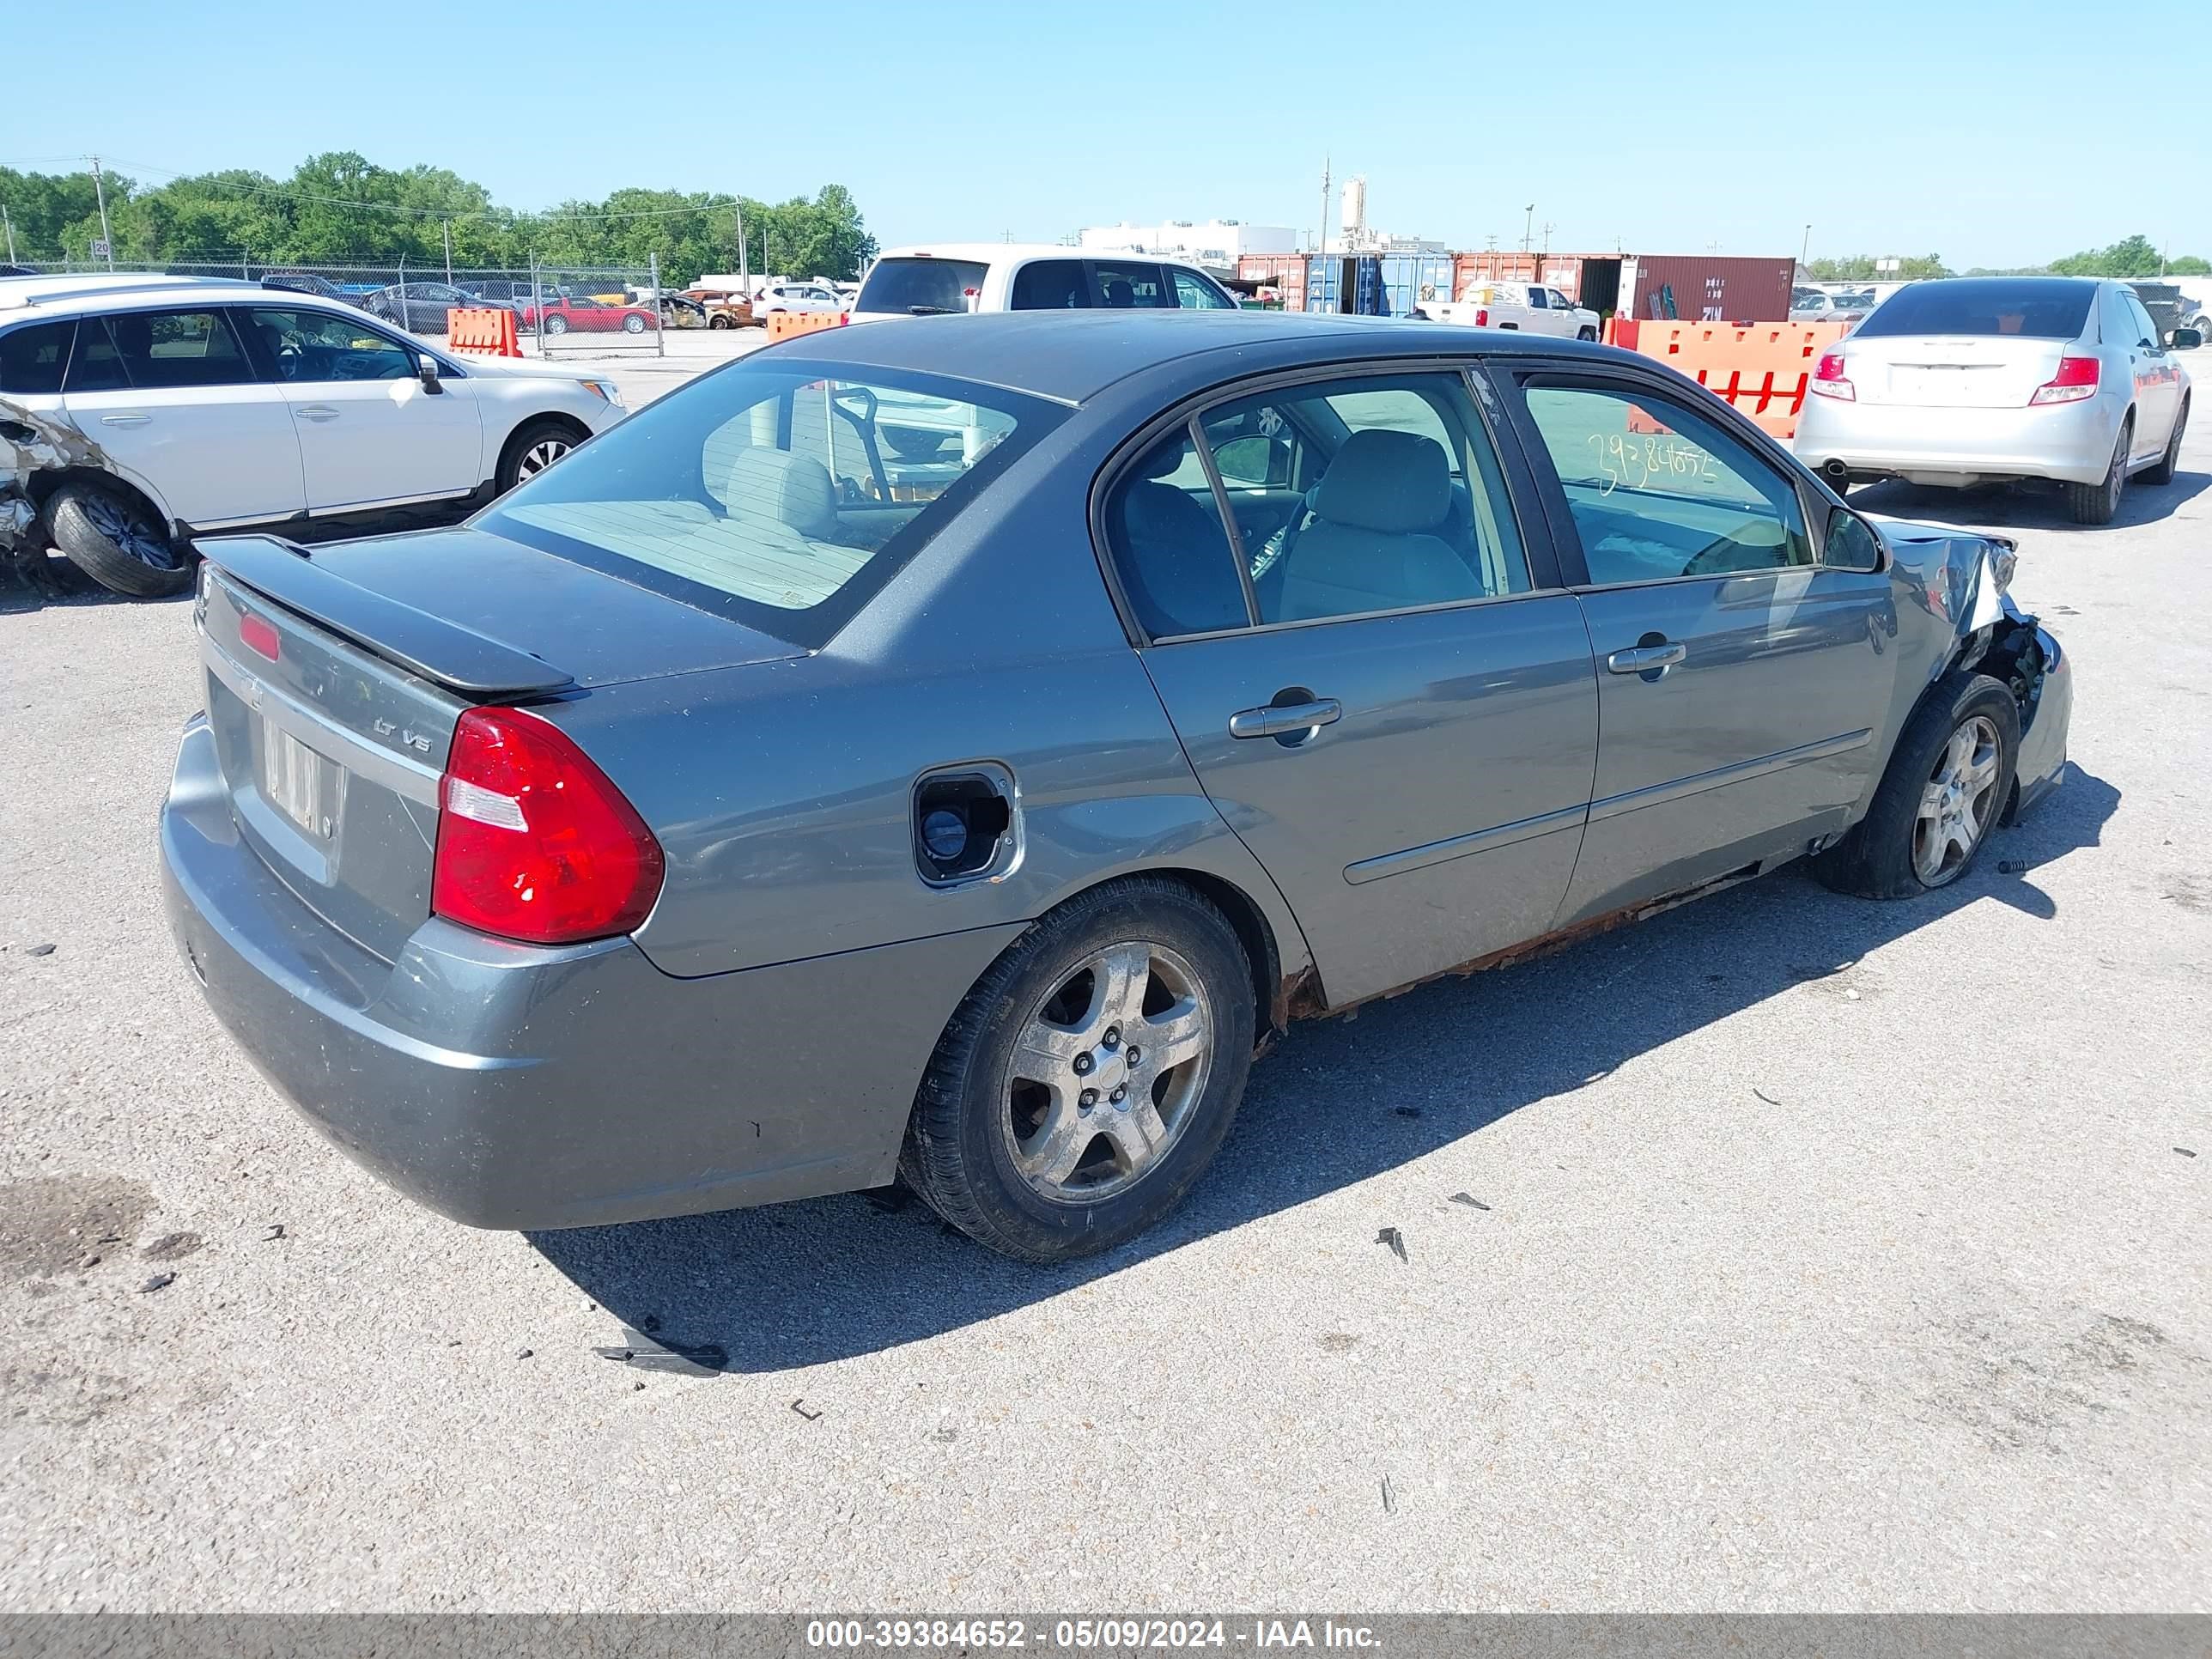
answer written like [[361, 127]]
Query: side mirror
[[427, 366], [1851, 543], [2188, 339], [1257, 462]]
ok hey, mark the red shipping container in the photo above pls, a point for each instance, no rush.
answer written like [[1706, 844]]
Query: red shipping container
[[1709, 288]]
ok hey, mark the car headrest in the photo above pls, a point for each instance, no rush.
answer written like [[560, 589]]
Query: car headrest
[[794, 491], [1397, 482], [1165, 457]]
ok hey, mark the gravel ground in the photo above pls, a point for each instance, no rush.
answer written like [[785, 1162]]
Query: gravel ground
[[1827, 1255]]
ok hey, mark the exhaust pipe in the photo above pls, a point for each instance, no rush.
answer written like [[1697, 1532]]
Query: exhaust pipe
[[1836, 472]]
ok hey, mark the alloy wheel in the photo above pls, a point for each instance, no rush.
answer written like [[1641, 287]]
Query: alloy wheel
[[1958, 803], [539, 456], [1108, 1072], [129, 531]]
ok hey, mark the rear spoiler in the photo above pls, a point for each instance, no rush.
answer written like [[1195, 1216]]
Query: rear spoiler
[[458, 658]]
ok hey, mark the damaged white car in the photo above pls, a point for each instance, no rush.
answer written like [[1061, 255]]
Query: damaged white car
[[137, 413]]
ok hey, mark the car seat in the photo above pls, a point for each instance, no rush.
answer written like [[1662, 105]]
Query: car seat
[[1373, 544], [1176, 563]]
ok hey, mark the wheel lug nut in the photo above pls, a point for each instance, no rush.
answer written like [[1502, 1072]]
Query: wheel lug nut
[[1135, 1055], [1083, 1064], [1119, 1096], [1112, 1035], [1087, 1099]]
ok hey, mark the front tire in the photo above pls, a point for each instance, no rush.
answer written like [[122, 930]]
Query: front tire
[[554, 325], [2097, 503], [1585, 334], [1034, 1132], [117, 541], [633, 325], [1945, 790], [533, 448]]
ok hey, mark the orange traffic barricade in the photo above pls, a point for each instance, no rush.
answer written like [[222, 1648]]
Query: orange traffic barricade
[[1762, 368], [783, 325], [482, 328]]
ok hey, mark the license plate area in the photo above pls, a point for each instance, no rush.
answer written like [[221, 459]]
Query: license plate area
[[300, 785]]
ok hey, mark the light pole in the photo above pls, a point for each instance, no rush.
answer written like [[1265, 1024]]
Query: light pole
[[1527, 228], [1804, 247]]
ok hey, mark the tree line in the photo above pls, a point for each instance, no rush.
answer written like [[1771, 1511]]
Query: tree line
[[2131, 256], [340, 209]]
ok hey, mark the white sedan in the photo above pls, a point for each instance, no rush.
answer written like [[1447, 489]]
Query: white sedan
[[797, 298], [189, 406]]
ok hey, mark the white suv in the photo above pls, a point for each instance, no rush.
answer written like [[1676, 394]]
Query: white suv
[[960, 276], [800, 299], [163, 409]]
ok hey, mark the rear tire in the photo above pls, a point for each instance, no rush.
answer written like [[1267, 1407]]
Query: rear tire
[[2163, 472], [1586, 334], [113, 539], [2096, 503], [633, 325], [718, 322], [554, 325], [1888, 853], [1047, 1167]]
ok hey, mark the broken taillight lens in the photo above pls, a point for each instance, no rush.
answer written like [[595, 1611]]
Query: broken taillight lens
[[534, 842], [2076, 379]]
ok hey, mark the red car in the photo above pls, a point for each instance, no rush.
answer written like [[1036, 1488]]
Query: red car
[[583, 314]]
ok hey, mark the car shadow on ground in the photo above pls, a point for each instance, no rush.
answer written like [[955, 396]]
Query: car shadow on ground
[[2003, 506], [793, 1285]]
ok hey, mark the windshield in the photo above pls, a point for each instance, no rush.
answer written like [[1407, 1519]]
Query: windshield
[[2033, 308], [920, 284], [772, 495]]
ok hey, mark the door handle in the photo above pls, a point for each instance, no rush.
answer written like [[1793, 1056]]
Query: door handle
[[1278, 720], [124, 420], [1643, 658], [316, 412]]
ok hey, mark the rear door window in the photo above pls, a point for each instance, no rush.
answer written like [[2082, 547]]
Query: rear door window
[[921, 286], [31, 359], [160, 350], [1050, 285], [1123, 284]]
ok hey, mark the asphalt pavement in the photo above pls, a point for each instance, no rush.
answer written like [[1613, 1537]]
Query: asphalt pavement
[[1786, 1252]]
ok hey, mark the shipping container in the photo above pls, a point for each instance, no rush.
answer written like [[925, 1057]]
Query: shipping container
[[1377, 284], [1706, 288], [1286, 272], [1471, 269]]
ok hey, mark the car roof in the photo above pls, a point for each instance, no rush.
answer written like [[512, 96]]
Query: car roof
[[990, 254], [94, 292], [1070, 356]]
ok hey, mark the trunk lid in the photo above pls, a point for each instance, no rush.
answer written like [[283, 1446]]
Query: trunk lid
[[335, 678], [1949, 371]]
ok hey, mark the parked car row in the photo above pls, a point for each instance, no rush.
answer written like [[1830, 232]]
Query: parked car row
[[193, 405], [1479, 640]]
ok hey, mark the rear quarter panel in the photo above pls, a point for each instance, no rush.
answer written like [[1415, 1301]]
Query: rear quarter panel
[[781, 793]]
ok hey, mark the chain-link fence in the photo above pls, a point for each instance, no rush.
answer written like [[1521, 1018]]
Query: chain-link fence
[[564, 309]]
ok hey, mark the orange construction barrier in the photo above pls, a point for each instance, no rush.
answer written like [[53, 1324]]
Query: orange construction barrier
[[783, 325], [482, 328], [1762, 368]]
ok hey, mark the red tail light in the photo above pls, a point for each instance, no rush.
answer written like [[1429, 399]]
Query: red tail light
[[258, 634], [1482, 316], [2076, 379], [1829, 380], [534, 843]]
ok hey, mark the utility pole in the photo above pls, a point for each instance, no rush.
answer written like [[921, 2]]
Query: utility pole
[[1548, 228], [1529, 229], [100, 191], [1320, 243], [744, 259], [449, 224], [9, 225]]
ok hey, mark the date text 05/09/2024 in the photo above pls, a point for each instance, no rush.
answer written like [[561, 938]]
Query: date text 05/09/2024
[[1087, 1635]]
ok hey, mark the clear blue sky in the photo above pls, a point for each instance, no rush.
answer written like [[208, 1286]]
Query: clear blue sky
[[1989, 133]]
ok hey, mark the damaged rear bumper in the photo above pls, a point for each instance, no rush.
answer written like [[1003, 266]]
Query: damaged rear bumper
[[2044, 719]]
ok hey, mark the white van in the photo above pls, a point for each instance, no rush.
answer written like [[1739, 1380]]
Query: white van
[[967, 277]]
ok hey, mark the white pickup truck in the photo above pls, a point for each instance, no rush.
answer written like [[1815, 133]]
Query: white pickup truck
[[1530, 307]]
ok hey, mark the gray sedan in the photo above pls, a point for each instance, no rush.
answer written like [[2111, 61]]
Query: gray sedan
[[959, 750]]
